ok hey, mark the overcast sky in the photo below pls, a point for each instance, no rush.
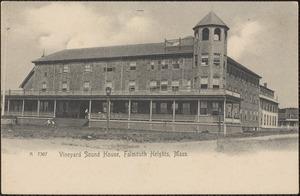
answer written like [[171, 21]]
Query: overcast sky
[[263, 36]]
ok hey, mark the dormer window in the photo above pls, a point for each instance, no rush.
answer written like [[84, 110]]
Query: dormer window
[[205, 34], [217, 34]]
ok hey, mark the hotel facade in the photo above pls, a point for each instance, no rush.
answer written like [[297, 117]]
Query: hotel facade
[[187, 84]]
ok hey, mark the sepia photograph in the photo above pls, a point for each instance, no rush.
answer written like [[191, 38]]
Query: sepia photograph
[[149, 97]]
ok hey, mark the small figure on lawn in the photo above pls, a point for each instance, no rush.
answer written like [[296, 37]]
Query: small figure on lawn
[[48, 123], [53, 123]]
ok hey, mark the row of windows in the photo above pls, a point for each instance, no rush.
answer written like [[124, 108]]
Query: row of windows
[[268, 120], [205, 59], [205, 34], [204, 82], [253, 115], [242, 76], [265, 105], [251, 99], [266, 93]]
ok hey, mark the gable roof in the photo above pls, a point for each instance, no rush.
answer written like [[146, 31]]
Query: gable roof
[[27, 78], [211, 19], [114, 52]]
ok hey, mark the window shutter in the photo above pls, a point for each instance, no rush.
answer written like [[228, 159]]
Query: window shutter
[[59, 86], [159, 67], [184, 82], [60, 70], [91, 68], [147, 85], [148, 67]]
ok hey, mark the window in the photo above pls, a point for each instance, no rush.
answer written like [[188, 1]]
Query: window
[[205, 34], [87, 68], [225, 35], [86, 86], [186, 108], [203, 107], [229, 110], [216, 59], [44, 86], [196, 60], [215, 108], [131, 85], [204, 82], [153, 85], [175, 85], [64, 86], [189, 83], [109, 69], [217, 34], [216, 83], [134, 107], [164, 85], [66, 69], [165, 66], [45, 74], [163, 108], [133, 66], [44, 105], [176, 66], [204, 59], [109, 84]]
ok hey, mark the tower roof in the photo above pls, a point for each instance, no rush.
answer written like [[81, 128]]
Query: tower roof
[[211, 19]]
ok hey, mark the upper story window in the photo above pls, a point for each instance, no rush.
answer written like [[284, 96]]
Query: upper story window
[[64, 86], [108, 69], [45, 74], [133, 66], [44, 86], [175, 85], [132, 85], [152, 63], [87, 68], [164, 85], [217, 34], [216, 82], [109, 84], [86, 86], [204, 82], [205, 34], [189, 83], [176, 66], [216, 59], [66, 69], [153, 85], [204, 59], [225, 35]]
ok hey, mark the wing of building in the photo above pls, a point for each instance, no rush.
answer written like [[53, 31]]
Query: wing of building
[[186, 84]]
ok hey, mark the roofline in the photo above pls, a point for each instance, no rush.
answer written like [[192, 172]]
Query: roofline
[[243, 67], [27, 78], [116, 57], [216, 25]]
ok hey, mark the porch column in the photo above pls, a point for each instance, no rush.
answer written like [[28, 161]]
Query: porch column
[[23, 105], [90, 109], [8, 103], [174, 110], [150, 110], [38, 107], [198, 113], [54, 109], [224, 116], [129, 109]]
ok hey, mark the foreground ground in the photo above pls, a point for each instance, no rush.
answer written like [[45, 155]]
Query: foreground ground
[[265, 162]]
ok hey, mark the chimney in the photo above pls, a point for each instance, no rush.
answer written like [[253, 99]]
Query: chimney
[[266, 85]]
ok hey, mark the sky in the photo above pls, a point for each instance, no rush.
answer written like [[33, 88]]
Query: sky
[[263, 36]]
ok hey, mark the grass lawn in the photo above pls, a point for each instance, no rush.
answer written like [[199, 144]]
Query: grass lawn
[[43, 132]]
